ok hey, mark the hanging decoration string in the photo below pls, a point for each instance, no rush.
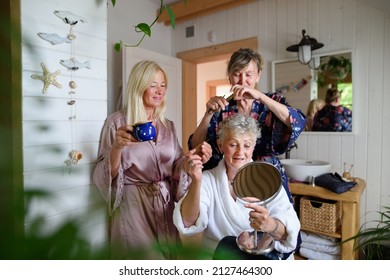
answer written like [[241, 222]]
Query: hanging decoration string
[[75, 155]]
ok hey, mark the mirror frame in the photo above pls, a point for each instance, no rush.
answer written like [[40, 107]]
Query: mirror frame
[[274, 62]]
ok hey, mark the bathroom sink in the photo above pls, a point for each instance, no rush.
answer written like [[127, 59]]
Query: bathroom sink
[[301, 169]]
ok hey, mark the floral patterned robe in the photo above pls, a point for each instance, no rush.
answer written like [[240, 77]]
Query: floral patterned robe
[[275, 136]]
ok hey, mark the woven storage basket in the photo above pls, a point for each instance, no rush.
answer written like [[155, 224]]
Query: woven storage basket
[[319, 214]]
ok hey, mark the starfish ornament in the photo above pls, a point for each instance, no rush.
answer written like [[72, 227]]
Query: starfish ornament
[[47, 78]]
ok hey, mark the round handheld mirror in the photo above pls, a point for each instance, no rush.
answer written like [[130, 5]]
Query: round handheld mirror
[[256, 182]]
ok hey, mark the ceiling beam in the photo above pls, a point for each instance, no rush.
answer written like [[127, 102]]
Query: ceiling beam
[[196, 8]]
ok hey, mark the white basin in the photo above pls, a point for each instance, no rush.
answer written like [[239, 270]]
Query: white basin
[[301, 169]]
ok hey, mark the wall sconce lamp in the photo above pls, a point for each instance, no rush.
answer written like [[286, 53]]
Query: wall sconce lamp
[[304, 50]]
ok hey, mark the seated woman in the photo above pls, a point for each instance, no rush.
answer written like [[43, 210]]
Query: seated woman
[[333, 116], [210, 205]]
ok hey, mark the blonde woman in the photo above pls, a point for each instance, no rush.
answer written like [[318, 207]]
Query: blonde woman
[[314, 106], [140, 181]]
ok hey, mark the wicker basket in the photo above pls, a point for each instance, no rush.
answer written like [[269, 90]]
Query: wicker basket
[[319, 214]]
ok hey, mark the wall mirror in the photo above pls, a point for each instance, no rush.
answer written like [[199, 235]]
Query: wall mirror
[[300, 84]]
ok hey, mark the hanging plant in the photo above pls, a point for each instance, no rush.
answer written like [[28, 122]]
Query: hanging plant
[[336, 68], [146, 29]]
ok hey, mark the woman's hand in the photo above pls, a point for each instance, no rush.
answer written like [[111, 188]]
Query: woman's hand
[[280, 110], [260, 219], [242, 92], [123, 137], [204, 151], [193, 165], [216, 104]]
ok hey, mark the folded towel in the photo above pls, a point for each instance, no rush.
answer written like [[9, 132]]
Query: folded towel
[[318, 238], [334, 182], [313, 255], [329, 249]]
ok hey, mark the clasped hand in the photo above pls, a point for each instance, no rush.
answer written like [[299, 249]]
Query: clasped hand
[[259, 218], [239, 92], [196, 157], [123, 137]]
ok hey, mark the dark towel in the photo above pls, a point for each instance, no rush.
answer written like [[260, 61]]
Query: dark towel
[[334, 182], [227, 249]]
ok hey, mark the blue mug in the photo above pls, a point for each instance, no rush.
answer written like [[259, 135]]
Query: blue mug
[[144, 131]]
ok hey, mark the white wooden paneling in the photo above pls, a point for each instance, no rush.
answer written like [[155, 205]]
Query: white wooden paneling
[[87, 131], [59, 132], [313, 16], [50, 132], [335, 157], [375, 106], [33, 56], [347, 154], [56, 156], [46, 133], [59, 179], [64, 201], [93, 12], [88, 219], [55, 109], [348, 23], [335, 24], [385, 160], [83, 42], [85, 88]]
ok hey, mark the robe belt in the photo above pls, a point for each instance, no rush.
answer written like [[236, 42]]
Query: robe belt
[[161, 200], [160, 188]]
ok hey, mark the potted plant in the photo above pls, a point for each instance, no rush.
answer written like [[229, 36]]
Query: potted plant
[[374, 242], [335, 68]]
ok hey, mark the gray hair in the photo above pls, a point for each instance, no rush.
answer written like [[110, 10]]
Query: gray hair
[[238, 124]]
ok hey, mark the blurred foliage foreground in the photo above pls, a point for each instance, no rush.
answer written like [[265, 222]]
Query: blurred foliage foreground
[[68, 241]]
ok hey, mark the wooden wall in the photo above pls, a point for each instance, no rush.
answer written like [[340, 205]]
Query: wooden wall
[[52, 128], [340, 25]]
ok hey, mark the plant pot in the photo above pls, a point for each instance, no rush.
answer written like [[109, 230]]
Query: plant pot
[[338, 74]]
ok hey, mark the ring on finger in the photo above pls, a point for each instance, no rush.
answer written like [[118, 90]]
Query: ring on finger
[[190, 164]]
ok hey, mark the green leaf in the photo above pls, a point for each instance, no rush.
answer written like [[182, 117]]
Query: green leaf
[[118, 46], [113, 2], [171, 16], [143, 27]]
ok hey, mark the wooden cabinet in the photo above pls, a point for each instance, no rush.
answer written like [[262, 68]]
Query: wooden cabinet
[[350, 216]]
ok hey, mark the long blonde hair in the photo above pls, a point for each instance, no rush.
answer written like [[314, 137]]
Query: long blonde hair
[[314, 106], [140, 79]]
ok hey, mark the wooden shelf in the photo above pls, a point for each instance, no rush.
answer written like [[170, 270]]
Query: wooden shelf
[[350, 216]]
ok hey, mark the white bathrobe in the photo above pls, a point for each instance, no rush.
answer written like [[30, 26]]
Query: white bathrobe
[[221, 216]]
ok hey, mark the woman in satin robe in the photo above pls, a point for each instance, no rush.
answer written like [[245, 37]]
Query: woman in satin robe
[[140, 181]]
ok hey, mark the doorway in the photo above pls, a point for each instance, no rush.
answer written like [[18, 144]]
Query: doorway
[[190, 60]]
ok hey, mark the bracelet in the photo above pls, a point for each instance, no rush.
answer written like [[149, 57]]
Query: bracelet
[[276, 227]]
